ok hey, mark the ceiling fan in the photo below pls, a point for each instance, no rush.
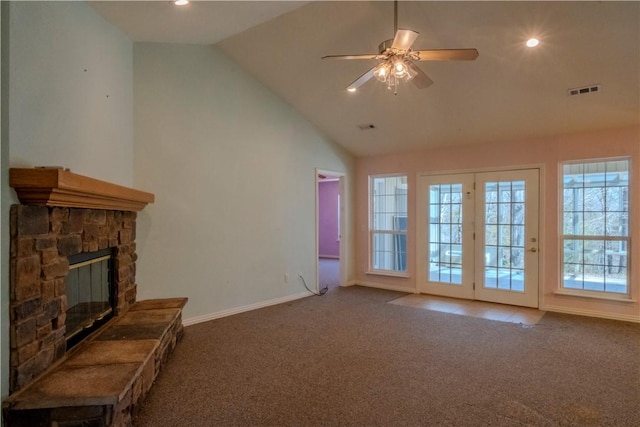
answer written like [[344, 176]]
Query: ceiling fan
[[397, 59]]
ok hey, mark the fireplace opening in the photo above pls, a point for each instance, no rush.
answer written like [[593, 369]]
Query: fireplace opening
[[90, 294]]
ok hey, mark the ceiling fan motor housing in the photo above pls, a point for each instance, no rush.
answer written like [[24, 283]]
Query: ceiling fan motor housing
[[385, 46]]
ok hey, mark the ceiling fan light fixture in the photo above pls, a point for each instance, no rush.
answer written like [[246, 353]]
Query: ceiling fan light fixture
[[392, 71], [399, 69], [411, 72], [382, 71]]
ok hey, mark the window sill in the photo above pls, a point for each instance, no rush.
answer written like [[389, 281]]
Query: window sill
[[592, 295], [387, 273]]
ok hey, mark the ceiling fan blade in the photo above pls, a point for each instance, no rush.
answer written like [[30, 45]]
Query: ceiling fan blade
[[445, 54], [404, 39], [361, 80], [364, 56], [419, 79]]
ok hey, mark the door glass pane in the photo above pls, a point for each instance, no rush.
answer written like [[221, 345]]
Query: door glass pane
[[504, 235], [445, 233]]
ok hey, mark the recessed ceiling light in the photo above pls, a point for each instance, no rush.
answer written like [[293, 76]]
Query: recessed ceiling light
[[181, 2], [351, 89], [532, 42]]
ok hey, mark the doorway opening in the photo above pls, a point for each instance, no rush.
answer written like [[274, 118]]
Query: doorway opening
[[329, 226]]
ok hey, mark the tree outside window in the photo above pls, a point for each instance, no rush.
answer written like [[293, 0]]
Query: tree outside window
[[595, 224], [388, 223]]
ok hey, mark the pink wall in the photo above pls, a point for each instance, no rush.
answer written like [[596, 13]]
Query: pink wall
[[329, 245], [543, 153]]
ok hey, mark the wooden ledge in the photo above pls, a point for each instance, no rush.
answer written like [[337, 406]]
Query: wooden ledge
[[59, 187]]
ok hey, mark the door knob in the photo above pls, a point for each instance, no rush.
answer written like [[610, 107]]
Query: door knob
[[533, 250]]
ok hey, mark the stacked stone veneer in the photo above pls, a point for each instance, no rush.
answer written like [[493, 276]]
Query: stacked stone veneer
[[42, 238]]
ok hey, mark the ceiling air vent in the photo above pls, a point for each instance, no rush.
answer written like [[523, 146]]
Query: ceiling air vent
[[583, 90], [367, 126]]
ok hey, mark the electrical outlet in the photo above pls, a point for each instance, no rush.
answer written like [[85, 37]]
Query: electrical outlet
[[286, 278]]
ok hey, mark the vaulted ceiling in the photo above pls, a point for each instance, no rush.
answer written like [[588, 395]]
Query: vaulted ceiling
[[509, 93]]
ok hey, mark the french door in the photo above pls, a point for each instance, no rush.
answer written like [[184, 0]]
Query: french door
[[478, 236]]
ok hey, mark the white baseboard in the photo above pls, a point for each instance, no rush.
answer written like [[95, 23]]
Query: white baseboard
[[244, 308], [385, 286], [591, 313]]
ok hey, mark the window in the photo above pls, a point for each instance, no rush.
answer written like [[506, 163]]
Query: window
[[388, 224], [595, 224]]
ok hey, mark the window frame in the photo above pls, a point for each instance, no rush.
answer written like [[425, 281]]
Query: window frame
[[597, 294], [374, 231]]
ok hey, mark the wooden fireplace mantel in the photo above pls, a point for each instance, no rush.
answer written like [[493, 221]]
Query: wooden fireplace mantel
[[60, 187]]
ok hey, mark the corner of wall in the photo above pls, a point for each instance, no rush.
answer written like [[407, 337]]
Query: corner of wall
[[4, 204]]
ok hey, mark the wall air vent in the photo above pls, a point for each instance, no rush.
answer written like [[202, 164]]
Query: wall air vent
[[583, 90], [366, 126]]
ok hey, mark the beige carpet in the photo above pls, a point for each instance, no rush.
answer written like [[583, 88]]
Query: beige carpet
[[351, 359]]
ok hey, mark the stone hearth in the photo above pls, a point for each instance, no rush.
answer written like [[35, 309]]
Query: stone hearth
[[101, 382]]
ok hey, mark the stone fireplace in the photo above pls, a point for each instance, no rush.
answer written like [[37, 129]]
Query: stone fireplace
[[42, 240], [65, 219]]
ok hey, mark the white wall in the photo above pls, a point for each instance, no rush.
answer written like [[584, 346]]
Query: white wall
[[55, 113], [71, 93], [233, 171]]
